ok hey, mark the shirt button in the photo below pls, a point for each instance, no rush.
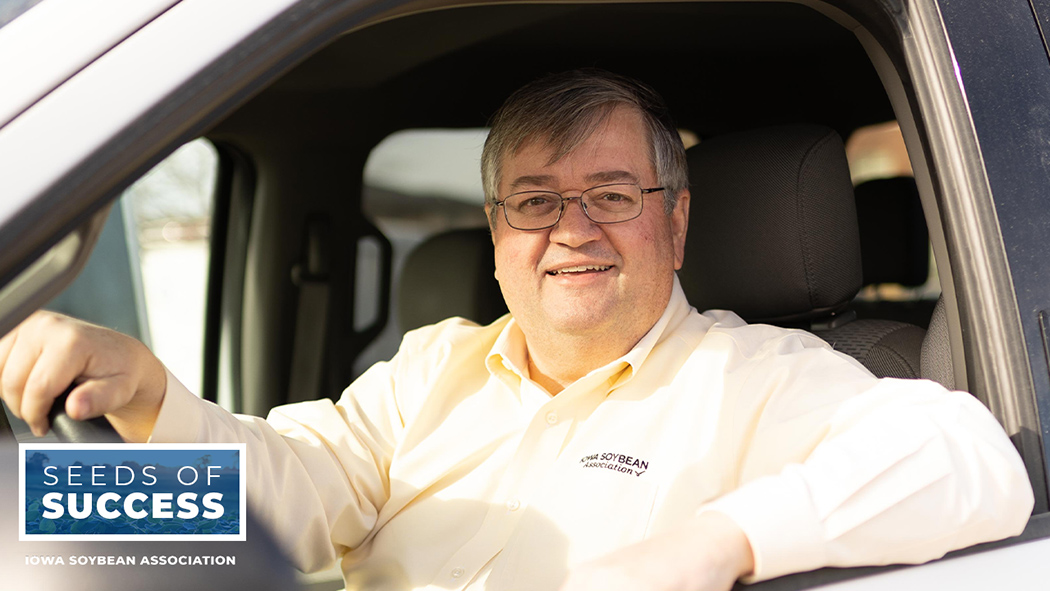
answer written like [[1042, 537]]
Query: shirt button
[[552, 418], [513, 505], [457, 573]]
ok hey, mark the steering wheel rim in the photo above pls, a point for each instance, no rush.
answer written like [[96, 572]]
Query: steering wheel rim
[[96, 430]]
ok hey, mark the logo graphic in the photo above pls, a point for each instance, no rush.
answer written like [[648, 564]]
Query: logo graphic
[[617, 462], [131, 492]]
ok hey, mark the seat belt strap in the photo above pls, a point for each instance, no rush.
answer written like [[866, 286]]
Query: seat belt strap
[[312, 277]]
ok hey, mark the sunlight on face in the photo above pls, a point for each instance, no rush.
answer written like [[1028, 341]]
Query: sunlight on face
[[579, 277]]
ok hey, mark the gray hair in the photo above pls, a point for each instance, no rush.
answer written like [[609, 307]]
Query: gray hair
[[563, 110]]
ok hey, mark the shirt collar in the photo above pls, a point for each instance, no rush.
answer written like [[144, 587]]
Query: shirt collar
[[509, 354]]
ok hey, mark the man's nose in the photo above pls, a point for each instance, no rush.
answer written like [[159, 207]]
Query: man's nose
[[574, 228]]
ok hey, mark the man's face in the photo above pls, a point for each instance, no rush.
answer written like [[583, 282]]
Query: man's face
[[635, 259]]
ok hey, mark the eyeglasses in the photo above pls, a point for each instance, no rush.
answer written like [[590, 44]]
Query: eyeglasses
[[604, 204]]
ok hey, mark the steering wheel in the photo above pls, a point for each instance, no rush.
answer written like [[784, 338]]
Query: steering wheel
[[97, 430]]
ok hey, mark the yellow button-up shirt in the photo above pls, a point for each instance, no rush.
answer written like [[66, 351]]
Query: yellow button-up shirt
[[448, 468]]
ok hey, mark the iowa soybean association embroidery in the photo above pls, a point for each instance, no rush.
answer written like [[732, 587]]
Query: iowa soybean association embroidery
[[616, 462]]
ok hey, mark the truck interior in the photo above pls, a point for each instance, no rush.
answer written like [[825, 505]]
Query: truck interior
[[317, 264]]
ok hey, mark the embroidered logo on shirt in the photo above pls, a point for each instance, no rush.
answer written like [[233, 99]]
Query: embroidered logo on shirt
[[616, 462]]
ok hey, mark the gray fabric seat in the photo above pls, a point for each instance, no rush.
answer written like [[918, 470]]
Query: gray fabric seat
[[888, 348], [773, 236], [450, 274], [936, 361]]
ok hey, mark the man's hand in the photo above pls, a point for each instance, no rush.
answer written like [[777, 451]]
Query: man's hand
[[707, 554], [115, 374]]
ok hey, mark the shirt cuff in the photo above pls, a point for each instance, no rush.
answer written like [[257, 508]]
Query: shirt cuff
[[179, 419], [778, 518]]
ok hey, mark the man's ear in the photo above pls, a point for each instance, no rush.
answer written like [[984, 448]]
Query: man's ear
[[679, 227]]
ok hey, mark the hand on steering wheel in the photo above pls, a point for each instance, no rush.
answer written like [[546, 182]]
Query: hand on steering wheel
[[68, 430], [115, 375]]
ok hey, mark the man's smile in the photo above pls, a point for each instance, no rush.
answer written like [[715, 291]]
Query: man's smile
[[579, 269]]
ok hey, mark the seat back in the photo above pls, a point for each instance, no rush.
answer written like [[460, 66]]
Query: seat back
[[773, 236], [450, 274], [936, 361]]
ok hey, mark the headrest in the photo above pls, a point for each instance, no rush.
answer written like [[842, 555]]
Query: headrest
[[450, 274], [893, 235], [772, 225]]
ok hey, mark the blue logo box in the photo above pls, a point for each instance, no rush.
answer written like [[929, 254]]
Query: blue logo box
[[105, 492]]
